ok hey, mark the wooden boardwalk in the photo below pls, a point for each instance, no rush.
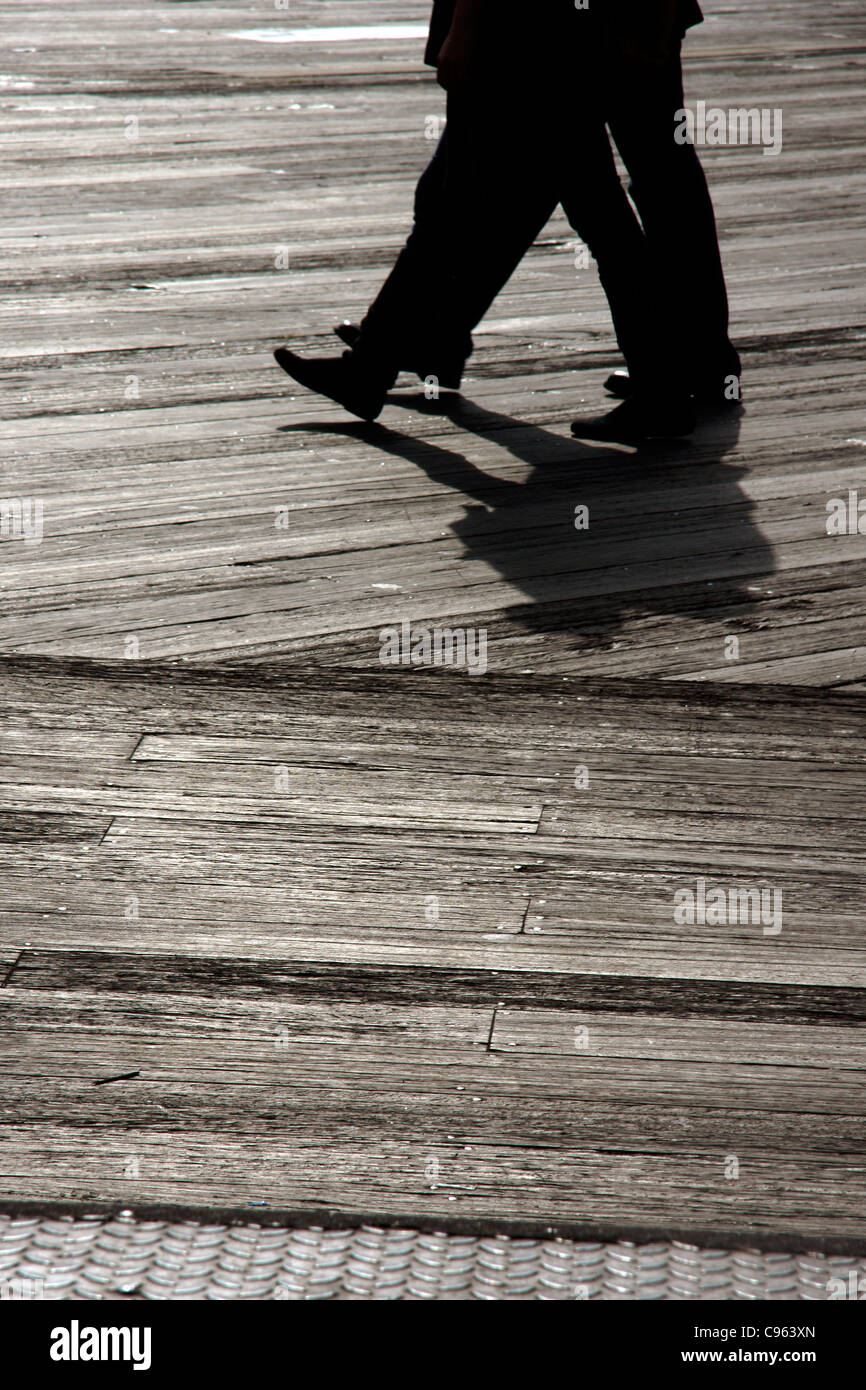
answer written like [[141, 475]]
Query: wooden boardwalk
[[154, 183], [360, 945], [283, 931]]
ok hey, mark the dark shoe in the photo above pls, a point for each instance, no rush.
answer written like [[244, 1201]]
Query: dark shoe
[[449, 375], [721, 392], [638, 419], [338, 378], [619, 385], [347, 332]]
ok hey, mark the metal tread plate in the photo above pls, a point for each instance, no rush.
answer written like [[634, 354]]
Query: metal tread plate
[[124, 1257]]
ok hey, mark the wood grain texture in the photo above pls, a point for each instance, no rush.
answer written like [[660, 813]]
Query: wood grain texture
[[285, 930], [158, 180], [319, 958]]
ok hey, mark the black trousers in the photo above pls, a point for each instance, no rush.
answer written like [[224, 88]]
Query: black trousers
[[497, 175], [670, 192], [461, 251], [494, 181]]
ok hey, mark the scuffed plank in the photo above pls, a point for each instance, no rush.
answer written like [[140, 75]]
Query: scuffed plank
[[581, 1038]]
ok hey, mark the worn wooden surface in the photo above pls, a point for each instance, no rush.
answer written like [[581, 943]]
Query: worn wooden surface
[[356, 943], [352, 942], [161, 159]]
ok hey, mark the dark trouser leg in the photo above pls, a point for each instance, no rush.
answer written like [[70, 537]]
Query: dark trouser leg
[[468, 238], [516, 228], [598, 209], [671, 194], [389, 327], [499, 192]]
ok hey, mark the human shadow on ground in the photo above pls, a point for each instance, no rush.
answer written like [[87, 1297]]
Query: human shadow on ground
[[666, 528]]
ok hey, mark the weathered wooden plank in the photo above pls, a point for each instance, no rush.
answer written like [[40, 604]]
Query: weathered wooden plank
[[534, 1114], [144, 696], [574, 1191], [152, 421], [609, 952], [269, 1060], [51, 827], [621, 772], [580, 1037], [130, 972], [200, 843], [167, 906]]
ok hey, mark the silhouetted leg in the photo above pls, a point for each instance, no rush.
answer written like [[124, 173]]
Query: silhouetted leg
[[391, 324], [497, 194], [468, 237], [598, 209], [671, 194]]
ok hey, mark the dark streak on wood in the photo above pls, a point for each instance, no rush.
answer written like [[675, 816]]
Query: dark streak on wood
[[134, 973], [51, 827]]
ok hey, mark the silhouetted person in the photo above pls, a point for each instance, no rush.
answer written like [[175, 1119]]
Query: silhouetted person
[[501, 166], [439, 348], [643, 91]]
